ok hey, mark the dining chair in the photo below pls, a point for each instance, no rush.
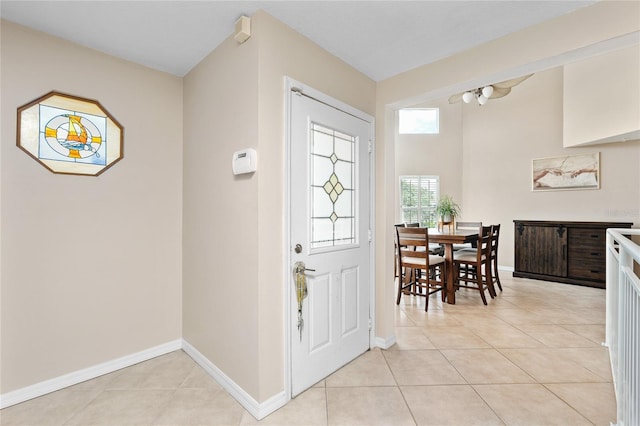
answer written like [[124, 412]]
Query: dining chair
[[495, 235], [471, 249], [473, 267], [414, 256], [467, 225], [434, 248], [395, 251], [395, 265]]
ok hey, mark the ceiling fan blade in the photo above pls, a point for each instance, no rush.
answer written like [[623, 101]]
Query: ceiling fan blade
[[499, 89], [455, 98], [510, 83], [498, 92]]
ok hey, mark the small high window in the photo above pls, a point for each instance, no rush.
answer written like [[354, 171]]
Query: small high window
[[420, 121]]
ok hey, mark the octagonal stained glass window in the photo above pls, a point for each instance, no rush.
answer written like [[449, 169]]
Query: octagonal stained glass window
[[68, 134]]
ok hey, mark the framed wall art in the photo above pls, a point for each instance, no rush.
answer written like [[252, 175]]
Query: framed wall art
[[69, 134], [581, 171]]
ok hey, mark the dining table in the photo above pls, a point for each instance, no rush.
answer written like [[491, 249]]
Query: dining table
[[447, 237]]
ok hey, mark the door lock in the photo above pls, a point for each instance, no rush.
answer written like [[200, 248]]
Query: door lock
[[298, 248]]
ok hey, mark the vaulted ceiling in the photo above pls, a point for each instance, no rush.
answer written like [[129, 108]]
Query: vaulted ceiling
[[379, 38]]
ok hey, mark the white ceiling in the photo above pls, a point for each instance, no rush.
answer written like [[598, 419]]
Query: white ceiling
[[379, 38]]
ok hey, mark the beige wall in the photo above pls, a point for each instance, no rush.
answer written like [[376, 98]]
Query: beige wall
[[502, 137], [233, 274], [601, 98], [91, 266], [507, 57], [487, 163], [220, 275], [439, 155]]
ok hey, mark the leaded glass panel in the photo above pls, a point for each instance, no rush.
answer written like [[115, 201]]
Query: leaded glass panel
[[323, 143], [322, 230], [333, 194], [344, 170], [322, 206], [344, 149], [322, 167]]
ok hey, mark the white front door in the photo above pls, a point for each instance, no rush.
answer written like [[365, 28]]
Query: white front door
[[329, 231]]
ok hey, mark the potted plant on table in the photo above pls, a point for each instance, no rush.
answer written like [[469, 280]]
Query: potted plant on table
[[447, 209]]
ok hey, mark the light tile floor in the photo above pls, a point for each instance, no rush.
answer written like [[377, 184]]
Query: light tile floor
[[533, 356]]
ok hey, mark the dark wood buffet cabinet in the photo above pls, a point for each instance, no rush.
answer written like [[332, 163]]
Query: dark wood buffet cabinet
[[567, 252]]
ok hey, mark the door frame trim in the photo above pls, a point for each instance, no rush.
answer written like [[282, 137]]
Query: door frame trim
[[290, 84]]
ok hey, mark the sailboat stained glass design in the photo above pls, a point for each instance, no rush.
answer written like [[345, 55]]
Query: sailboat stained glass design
[[70, 135], [333, 187]]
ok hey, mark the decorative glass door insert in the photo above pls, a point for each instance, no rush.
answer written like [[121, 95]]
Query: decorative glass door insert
[[333, 188]]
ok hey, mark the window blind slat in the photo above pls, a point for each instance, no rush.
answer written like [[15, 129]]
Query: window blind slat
[[418, 199]]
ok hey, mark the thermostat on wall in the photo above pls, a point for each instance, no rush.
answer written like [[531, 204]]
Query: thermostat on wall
[[245, 161]]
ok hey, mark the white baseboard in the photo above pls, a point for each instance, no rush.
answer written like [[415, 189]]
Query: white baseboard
[[20, 395], [255, 408], [505, 268], [385, 343]]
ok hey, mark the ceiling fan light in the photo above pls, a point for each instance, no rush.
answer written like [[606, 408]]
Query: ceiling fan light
[[467, 97], [482, 99], [487, 91]]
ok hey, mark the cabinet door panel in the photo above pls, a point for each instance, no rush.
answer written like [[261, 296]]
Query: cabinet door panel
[[542, 250]]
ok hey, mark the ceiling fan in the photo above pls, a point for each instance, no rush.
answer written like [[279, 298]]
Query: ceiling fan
[[492, 91]]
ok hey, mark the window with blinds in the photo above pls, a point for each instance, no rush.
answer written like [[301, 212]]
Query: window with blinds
[[418, 199]]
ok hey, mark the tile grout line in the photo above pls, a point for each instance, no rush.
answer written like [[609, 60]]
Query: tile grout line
[[566, 402], [399, 388]]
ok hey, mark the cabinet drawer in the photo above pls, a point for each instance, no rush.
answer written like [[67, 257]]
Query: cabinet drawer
[[587, 238], [586, 253], [588, 270]]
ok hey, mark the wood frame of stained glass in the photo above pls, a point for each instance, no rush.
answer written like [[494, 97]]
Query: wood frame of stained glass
[[68, 134]]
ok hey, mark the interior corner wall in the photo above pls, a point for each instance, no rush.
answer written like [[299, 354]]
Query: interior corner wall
[[282, 52], [220, 242], [501, 138], [91, 266], [234, 231]]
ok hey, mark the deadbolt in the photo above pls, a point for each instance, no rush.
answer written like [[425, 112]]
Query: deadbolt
[[298, 248]]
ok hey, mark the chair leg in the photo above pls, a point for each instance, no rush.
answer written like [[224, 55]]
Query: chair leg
[[496, 277], [443, 278], [401, 280], [426, 297], [481, 288], [489, 280], [416, 288]]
